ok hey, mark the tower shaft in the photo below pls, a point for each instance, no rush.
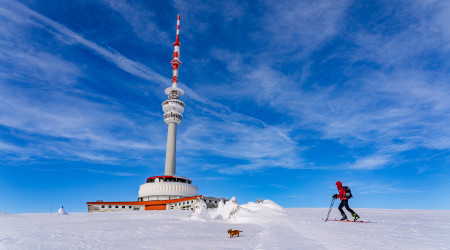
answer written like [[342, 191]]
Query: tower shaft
[[171, 149]]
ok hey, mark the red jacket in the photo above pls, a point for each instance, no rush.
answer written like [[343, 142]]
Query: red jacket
[[341, 190], [342, 193]]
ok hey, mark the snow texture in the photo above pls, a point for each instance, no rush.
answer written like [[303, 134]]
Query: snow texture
[[265, 226]]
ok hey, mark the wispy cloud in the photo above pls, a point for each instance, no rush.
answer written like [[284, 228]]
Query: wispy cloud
[[141, 19], [375, 187], [107, 172], [371, 162], [297, 29], [130, 66]]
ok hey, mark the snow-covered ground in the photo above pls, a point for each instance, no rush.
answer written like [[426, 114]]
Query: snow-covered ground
[[264, 226]]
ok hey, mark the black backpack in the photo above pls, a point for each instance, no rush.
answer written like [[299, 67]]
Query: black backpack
[[348, 192]]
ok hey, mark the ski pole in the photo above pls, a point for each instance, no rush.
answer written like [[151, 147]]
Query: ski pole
[[329, 211]]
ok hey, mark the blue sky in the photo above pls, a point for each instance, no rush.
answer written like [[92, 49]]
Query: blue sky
[[283, 98]]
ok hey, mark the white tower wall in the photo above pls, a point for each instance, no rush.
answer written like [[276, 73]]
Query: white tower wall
[[149, 191], [171, 149]]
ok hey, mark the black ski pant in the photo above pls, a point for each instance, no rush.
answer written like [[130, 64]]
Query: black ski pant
[[344, 203]]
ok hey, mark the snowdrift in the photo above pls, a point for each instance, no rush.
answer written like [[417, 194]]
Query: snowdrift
[[200, 212], [258, 213], [225, 211]]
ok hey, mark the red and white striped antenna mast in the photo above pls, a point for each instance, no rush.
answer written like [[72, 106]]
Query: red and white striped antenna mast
[[176, 56]]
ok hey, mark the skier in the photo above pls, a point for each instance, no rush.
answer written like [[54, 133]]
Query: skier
[[344, 202]]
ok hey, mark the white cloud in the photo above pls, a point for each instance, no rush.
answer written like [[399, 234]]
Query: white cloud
[[70, 37], [141, 19], [298, 28], [371, 162]]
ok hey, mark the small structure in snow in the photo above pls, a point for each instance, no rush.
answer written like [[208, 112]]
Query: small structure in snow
[[61, 211]]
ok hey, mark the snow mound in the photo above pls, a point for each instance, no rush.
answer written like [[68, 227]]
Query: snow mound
[[266, 211], [225, 211], [200, 212], [3, 213], [268, 204], [61, 211], [260, 213]]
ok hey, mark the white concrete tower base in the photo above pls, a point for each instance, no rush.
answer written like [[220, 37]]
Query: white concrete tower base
[[166, 191]]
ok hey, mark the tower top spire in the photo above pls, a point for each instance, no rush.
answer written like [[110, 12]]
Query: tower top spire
[[177, 41], [176, 61]]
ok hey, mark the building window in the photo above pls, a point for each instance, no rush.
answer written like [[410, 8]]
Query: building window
[[109, 206], [130, 207], [123, 206], [215, 201], [103, 206], [117, 206], [183, 202]]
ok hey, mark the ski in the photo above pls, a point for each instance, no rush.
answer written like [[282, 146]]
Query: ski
[[358, 221]]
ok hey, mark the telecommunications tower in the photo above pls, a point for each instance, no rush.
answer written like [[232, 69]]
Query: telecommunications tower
[[168, 191], [173, 108], [169, 186]]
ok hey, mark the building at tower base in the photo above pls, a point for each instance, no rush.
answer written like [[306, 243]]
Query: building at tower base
[[169, 204]]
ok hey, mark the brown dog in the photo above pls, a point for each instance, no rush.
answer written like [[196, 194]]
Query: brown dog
[[234, 232]]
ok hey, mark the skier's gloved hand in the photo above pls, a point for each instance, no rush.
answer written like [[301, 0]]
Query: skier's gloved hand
[[335, 196]]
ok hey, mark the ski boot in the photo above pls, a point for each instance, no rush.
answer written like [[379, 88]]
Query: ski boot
[[356, 216], [344, 217]]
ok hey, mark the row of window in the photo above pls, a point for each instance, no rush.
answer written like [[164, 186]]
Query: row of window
[[172, 100], [169, 180], [130, 207], [192, 202], [184, 203], [169, 115]]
